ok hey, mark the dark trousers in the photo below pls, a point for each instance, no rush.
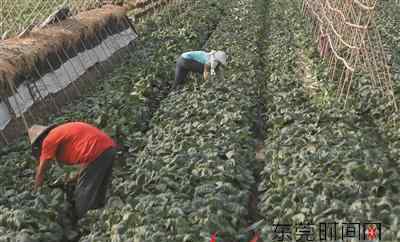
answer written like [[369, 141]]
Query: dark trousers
[[90, 192], [183, 67]]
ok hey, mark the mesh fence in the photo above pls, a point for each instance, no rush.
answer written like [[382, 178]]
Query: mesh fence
[[350, 42], [17, 15]]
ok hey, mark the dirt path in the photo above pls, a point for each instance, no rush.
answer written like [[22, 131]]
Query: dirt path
[[259, 124]]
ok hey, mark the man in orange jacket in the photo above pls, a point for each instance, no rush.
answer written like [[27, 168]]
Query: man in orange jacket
[[76, 143]]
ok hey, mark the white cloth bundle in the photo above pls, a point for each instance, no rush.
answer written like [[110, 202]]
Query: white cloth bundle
[[215, 57]]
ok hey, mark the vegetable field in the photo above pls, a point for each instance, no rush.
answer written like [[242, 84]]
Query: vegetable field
[[187, 164]]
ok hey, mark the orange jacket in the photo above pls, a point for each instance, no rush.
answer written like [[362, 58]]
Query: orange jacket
[[75, 143]]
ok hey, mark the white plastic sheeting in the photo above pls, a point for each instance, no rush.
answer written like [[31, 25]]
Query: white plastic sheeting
[[70, 71], [4, 116]]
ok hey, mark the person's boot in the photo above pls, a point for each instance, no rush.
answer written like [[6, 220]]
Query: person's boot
[[70, 216], [74, 217]]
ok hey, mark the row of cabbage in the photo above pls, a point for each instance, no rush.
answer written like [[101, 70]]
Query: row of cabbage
[[324, 163], [388, 19], [194, 176]]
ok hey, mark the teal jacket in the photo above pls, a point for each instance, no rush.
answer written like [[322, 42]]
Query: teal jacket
[[199, 56]]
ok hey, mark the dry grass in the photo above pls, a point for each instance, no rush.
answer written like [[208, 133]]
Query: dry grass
[[20, 54]]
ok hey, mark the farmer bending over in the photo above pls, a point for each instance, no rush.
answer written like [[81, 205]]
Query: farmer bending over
[[199, 62], [76, 143]]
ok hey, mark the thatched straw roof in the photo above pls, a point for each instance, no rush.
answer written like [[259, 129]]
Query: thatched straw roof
[[22, 59]]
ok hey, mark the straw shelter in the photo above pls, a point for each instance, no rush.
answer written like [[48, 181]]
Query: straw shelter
[[37, 53]]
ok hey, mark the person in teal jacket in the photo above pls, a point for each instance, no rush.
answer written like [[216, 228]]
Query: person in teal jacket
[[199, 62]]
